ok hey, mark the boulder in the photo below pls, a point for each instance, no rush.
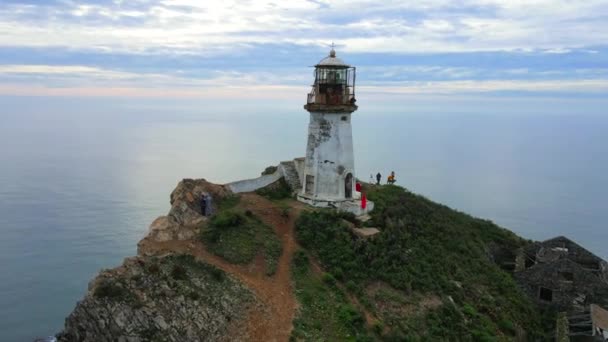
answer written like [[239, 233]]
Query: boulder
[[186, 200], [166, 228]]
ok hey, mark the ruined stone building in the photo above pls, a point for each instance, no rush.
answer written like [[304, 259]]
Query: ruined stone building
[[562, 274], [589, 326]]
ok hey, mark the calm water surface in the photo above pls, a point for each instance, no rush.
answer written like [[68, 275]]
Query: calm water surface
[[78, 190]]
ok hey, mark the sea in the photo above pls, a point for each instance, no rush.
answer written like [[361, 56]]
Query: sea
[[82, 179]]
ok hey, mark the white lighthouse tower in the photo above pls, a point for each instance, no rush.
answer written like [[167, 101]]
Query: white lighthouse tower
[[328, 177]]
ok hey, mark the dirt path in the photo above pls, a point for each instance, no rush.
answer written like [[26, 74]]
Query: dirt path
[[274, 321]]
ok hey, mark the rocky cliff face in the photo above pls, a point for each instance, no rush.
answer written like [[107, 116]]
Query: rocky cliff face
[[171, 298], [164, 297]]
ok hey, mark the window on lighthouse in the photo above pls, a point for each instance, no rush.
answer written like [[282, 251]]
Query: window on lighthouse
[[333, 77]]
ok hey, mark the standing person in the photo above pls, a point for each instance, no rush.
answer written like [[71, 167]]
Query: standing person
[[378, 178], [391, 178], [204, 205], [208, 205]]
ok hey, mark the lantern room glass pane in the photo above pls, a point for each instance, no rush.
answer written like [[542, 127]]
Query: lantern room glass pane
[[331, 76]]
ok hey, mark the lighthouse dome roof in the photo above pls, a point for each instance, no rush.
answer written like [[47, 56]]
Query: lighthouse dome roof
[[332, 61]]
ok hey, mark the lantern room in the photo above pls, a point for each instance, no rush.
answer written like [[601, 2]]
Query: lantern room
[[334, 87]]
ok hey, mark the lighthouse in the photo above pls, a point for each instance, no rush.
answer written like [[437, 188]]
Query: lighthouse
[[328, 177]]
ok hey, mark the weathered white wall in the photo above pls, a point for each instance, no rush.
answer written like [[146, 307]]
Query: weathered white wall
[[329, 154], [299, 164], [249, 185]]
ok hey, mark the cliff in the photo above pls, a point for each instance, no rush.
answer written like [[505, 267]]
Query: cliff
[[265, 267], [164, 296], [198, 279], [171, 298]]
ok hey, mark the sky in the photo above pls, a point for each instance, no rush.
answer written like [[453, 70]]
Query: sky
[[264, 49]]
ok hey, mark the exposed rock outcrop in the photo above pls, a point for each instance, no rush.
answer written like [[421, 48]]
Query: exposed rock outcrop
[[186, 199], [184, 220], [166, 228], [171, 298]]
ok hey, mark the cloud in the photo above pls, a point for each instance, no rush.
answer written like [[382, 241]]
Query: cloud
[[181, 46], [193, 27]]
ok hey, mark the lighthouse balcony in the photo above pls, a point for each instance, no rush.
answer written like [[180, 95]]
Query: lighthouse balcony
[[330, 103]]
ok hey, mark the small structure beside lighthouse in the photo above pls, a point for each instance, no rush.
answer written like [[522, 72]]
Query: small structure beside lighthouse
[[328, 174]]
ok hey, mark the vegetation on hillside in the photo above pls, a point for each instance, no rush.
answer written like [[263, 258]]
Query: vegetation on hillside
[[177, 270], [428, 275], [239, 236], [325, 313]]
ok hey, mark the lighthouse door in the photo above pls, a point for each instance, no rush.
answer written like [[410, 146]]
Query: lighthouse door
[[348, 186]]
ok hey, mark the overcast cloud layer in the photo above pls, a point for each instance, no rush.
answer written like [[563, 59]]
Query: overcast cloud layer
[[178, 47]]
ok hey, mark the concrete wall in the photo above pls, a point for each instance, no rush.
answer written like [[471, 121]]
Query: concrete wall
[[249, 185], [329, 154], [299, 164]]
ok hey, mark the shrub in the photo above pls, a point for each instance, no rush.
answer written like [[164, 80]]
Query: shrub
[[179, 273], [300, 260], [109, 288], [193, 295], [378, 327], [507, 326], [338, 274], [226, 219], [328, 279], [217, 274], [269, 170], [350, 316], [352, 286], [469, 310], [154, 269]]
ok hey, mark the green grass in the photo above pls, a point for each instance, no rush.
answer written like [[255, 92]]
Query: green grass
[[228, 202], [426, 249], [325, 313], [239, 237]]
